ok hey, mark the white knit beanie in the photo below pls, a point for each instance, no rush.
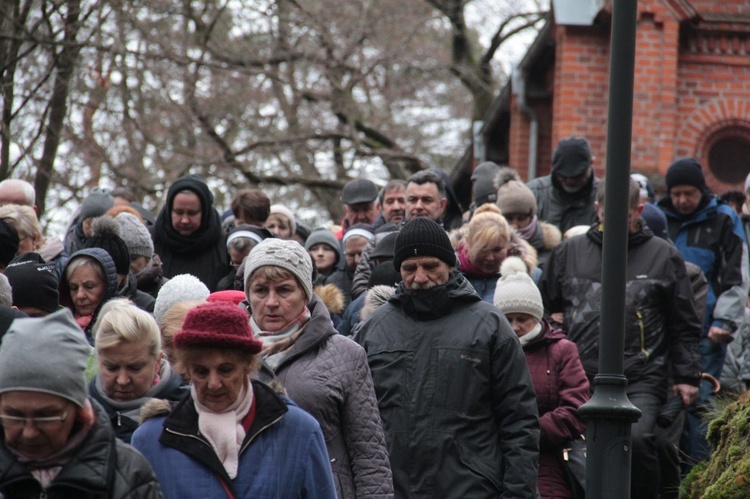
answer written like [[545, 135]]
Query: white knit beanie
[[515, 292], [183, 287], [287, 254]]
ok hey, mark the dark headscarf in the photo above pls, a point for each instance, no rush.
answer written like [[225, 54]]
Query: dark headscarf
[[208, 232]]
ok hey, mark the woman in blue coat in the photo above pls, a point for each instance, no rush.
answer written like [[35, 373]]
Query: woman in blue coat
[[232, 437]]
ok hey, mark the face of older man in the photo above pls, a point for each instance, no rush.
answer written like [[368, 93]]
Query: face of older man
[[36, 425], [424, 272]]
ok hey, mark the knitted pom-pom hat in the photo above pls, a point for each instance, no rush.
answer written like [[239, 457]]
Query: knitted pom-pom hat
[[516, 293], [219, 325]]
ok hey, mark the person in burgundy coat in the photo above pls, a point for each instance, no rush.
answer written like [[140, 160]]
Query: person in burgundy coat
[[557, 373]]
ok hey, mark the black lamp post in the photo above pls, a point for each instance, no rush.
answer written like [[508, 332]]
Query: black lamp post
[[609, 413]]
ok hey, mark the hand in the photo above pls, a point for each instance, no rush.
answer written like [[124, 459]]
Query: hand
[[719, 334], [688, 393], [557, 317]]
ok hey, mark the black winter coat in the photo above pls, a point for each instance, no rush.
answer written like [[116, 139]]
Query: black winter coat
[[661, 322], [455, 394], [102, 467]]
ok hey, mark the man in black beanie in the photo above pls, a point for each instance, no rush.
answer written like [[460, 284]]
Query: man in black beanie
[[709, 234], [34, 284], [437, 352]]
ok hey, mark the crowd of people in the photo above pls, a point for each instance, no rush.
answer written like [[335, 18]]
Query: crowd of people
[[413, 350]]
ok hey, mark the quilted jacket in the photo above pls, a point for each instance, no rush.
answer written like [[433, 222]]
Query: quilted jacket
[[457, 402], [661, 321], [327, 375], [102, 467], [561, 388]]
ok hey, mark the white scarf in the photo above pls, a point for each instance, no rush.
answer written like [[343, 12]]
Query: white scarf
[[224, 430], [526, 338]]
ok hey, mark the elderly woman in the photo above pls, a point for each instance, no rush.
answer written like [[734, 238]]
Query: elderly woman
[[89, 280], [24, 220], [325, 373], [557, 373], [131, 368], [188, 235], [483, 244], [232, 436]]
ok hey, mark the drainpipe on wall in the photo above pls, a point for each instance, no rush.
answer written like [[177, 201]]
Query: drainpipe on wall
[[519, 89]]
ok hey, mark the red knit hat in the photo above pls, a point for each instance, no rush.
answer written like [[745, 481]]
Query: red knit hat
[[219, 324], [229, 296]]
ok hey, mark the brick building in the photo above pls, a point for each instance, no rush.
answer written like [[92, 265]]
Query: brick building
[[691, 94]]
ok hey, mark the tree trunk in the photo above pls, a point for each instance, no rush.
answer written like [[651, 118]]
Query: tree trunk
[[58, 105]]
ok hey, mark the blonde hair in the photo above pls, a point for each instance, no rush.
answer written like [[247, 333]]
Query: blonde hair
[[486, 226], [23, 219], [173, 319], [120, 321], [271, 273]]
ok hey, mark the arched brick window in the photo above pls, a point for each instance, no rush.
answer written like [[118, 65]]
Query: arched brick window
[[728, 154]]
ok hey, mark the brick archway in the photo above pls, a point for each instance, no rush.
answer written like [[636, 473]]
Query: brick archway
[[712, 123]]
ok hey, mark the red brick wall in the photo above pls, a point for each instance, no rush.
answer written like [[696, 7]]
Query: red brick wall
[[684, 96]]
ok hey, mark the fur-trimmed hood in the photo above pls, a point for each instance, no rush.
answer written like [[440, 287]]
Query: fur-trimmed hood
[[517, 246], [332, 297], [551, 236]]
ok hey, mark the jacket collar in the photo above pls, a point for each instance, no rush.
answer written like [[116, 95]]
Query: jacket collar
[[181, 427], [437, 302]]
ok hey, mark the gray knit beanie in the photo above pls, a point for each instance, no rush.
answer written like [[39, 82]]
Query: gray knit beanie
[[325, 236], [183, 287], [289, 255], [516, 292], [45, 355], [96, 203], [135, 235], [515, 198]]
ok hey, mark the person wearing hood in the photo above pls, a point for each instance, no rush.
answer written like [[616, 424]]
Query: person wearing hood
[[662, 325], [325, 373], [454, 391], [518, 206], [106, 234], [483, 188], [88, 281], [559, 380], [188, 235], [132, 369], [566, 196]]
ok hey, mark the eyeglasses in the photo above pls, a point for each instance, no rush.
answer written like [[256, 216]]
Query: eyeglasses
[[45, 423]]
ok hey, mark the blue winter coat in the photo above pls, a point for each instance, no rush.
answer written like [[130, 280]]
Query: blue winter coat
[[712, 238], [283, 454]]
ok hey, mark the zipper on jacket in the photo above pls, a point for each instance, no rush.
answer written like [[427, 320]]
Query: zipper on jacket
[[643, 334], [242, 449], [188, 436], [119, 421]]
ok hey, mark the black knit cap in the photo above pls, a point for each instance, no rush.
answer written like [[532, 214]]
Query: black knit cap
[[686, 171], [105, 234], [8, 242], [34, 282], [422, 237]]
